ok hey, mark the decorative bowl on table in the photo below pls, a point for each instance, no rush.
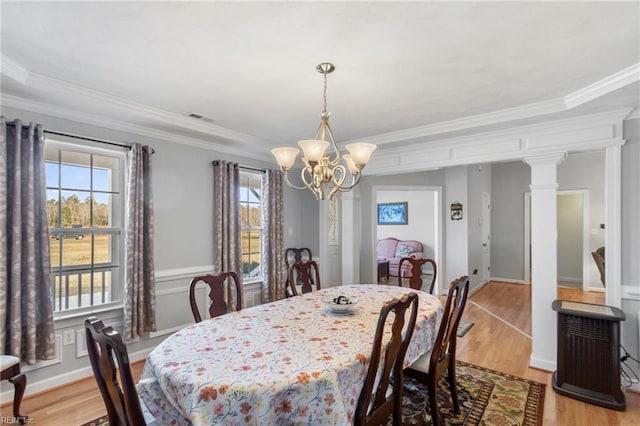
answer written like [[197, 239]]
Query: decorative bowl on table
[[340, 304]]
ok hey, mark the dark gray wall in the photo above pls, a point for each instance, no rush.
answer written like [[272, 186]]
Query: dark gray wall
[[509, 181]]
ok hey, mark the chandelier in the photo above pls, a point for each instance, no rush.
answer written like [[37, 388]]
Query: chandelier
[[322, 169]]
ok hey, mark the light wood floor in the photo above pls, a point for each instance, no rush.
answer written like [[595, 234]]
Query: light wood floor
[[498, 341]]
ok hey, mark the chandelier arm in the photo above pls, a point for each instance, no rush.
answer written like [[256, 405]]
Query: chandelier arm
[[334, 144], [286, 178], [354, 182], [311, 185], [337, 179]]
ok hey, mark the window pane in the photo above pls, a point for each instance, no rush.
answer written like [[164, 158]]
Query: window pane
[[52, 208], [75, 289], [103, 244], [244, 214], [75, 170], [255, 215], [54, 249], [105, 169], [75, 209], [76, 250], [102, 210], [51, 174]]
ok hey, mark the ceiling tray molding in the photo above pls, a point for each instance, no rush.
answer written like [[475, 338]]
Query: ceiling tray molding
[[43, 82], [495, 117], [94, 120], [602, 87]]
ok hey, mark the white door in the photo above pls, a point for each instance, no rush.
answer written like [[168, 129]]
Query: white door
[[486, 236], [330, 248]]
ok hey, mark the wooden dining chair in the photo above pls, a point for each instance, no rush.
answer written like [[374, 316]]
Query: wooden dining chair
[[217, 301], [598, 257], [10, 370], [374, 408], [430, 366], [304, 278], [415, 281], [293, 255], [111, 368]]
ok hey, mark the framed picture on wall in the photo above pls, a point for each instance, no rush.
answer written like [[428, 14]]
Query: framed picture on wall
[[393, 213]]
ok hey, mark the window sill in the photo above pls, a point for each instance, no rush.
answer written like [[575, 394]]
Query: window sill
[[87, 312]]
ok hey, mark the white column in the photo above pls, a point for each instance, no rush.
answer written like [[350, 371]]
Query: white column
[[350, 235], [612, 220], [544, 249]]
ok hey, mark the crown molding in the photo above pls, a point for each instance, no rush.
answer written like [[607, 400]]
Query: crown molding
[[23, 76], [602, 87], [39, 81], [633, 115], [495, 117], [14, 71], [584, 133], [593, 91], [86, 118]]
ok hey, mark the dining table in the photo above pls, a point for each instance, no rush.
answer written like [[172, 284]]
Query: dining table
[[288, 362]]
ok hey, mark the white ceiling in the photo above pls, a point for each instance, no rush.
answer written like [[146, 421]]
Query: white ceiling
[[405, 72]]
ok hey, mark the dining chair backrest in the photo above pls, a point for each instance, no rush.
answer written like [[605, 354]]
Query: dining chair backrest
[[598, 257], [415, 281], [111, 368], [293, 255], [217, 301], [444, 347], [304, 277], [374, 408], [430, 366]]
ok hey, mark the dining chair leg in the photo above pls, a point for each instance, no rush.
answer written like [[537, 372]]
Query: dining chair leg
[[433, 402], [453, 385], [20, 383]]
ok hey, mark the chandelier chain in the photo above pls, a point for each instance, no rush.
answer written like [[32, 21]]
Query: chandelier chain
[[324, 94]]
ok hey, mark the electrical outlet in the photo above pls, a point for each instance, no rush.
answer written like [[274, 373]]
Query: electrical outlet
[[69, 337], [475, 272]]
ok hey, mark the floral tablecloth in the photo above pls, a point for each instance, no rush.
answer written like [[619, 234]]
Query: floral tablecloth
[[288, 362]]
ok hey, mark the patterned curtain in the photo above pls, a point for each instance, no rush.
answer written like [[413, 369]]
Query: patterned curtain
[[273, 275], [26, 308], [226, 189], [140, 285]]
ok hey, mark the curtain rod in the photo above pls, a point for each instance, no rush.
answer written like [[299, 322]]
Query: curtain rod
[[69, 135], [255, 169]]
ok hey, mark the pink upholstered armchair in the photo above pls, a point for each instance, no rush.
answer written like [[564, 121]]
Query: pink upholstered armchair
[[393, 250]]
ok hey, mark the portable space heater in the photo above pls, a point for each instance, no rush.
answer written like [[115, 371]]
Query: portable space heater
[[589, 353]]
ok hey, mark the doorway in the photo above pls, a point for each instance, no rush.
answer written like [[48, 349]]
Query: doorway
[[574, 259]]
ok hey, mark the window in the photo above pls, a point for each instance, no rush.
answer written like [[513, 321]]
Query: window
[[251, 225], [85, 215]]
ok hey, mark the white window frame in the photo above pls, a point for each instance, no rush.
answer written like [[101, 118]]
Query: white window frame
[[260, 229], [117, 208]]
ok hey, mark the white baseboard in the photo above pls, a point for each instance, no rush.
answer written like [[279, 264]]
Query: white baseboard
[[570, 279], [61, 379], [509, 280], [477, 288], [542, 364]]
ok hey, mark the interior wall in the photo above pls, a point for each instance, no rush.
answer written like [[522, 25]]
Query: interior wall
[[509, 182], [631, 240], [479, 181], [570, 237], [586, 171], [367, 214], [456, 237], [184, 247], [420, 206]]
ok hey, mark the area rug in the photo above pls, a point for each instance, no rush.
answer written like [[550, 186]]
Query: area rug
[[486, 397], [463, 327]]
